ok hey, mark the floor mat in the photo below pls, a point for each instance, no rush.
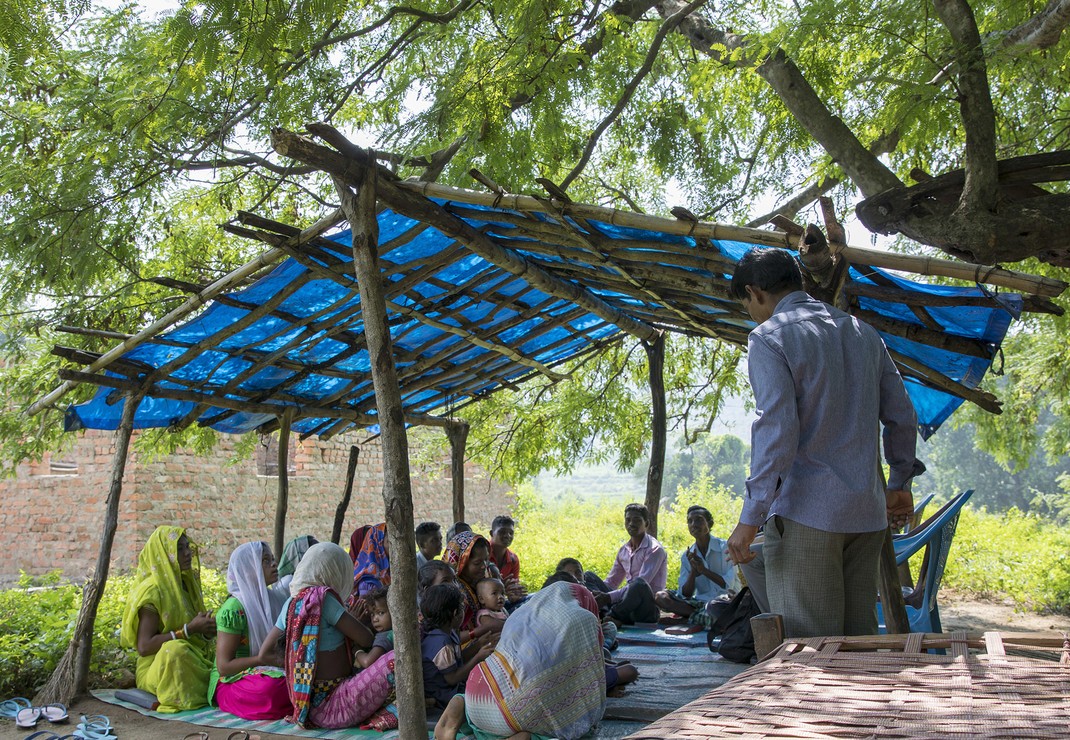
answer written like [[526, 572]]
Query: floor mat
[[634, 635], [212, 717]]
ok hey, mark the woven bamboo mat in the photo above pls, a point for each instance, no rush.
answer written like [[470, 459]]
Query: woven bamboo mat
[[842, 687]]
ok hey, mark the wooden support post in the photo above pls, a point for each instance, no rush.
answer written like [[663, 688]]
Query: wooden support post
[[768, 631], [458, 435], [397, 487], [71, 677], [283, 501], [893, 607], [655, 352], [343, 505]]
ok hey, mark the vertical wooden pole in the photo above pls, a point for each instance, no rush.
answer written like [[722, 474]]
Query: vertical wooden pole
[[397, 487], [343, 505], [893, 607], [283, 501], [655, 352], [71, 676], [458, 435]]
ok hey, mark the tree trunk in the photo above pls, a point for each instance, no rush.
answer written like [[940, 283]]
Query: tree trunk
[[283, 501], [655, 352], [458, 435], [71, 677], [343, 505], [397, 486]]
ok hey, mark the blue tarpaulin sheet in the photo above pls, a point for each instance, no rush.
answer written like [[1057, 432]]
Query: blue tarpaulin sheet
[[295, 336]]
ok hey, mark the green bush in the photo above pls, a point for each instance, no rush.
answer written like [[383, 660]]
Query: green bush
[[37, 619]]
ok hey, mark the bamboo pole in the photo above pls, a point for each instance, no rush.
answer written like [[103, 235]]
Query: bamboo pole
[[349, 415], [349, 164], [191, 305], [282, 503], [655, 352], [458, 436], [857, 255], [397, 485], [347, 493], [71, 676]]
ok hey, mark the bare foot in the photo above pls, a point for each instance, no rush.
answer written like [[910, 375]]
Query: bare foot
[[450, 721]]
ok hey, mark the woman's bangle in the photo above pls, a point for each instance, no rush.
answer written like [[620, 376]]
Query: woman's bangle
[[173, 635], [185, 631]]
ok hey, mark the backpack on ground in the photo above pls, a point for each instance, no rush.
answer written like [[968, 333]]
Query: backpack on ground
[[733, 626]]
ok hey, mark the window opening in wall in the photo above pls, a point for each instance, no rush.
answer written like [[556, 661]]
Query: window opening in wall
[[267, 456], [54, 466]]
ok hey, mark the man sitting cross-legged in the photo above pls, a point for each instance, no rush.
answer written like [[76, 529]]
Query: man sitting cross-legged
[[641, 565]]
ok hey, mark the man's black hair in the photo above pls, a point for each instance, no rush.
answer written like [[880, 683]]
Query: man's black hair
[[638, 509], [426, 530], [705, 512], [558, 577], [568, 561], [439, 604], [503, 520], [773, 270]]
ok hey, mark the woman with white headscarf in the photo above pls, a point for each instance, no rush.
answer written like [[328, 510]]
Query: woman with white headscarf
[[319, 634], [243, 682]]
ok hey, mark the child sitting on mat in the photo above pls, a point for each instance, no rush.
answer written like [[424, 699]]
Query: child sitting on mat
[[383, 643], [491, 595], [445, 671]]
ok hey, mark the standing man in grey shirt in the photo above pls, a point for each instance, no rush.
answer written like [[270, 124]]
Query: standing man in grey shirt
[[823, 384]]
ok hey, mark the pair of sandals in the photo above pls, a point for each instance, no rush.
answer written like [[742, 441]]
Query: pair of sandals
[[27, 716], [92, 727], [236, 735]]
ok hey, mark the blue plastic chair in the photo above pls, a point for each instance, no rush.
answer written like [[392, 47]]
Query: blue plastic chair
[[935, 535]]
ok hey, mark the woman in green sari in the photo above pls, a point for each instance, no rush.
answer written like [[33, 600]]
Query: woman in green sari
[[166, 622]]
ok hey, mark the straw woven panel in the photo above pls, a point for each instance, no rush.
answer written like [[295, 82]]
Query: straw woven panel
[[827, 687]]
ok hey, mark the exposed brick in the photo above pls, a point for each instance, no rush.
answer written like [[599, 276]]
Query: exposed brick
[[222, 505]]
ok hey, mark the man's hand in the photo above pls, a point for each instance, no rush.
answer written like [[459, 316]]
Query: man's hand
[[900, 508], [739, 551], [602, 599]]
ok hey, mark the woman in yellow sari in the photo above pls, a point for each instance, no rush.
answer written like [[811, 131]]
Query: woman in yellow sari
[[165, 621]]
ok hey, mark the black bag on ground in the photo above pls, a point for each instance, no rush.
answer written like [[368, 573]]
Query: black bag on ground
[[733, 625]]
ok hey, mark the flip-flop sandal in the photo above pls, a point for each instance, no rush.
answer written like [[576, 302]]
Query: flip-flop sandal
[[196, 736], [42, 735], [28, 717], [12, 707], [55, 713], [242, 735], [95, 719], [93, 731]]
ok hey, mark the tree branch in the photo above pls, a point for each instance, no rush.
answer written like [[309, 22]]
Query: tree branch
[[788, 82], [981, 190], [1041, 31], [668, 25]]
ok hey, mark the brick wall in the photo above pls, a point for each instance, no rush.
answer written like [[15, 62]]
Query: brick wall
[[51, 521]]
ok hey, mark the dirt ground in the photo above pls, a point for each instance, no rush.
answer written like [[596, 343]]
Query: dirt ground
[[956, 613]]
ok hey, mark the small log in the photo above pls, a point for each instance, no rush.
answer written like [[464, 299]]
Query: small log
[[282, 502], [768, 631], [71, 676], [343, 505], [655, 353], [891, 590], [458, 436]]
